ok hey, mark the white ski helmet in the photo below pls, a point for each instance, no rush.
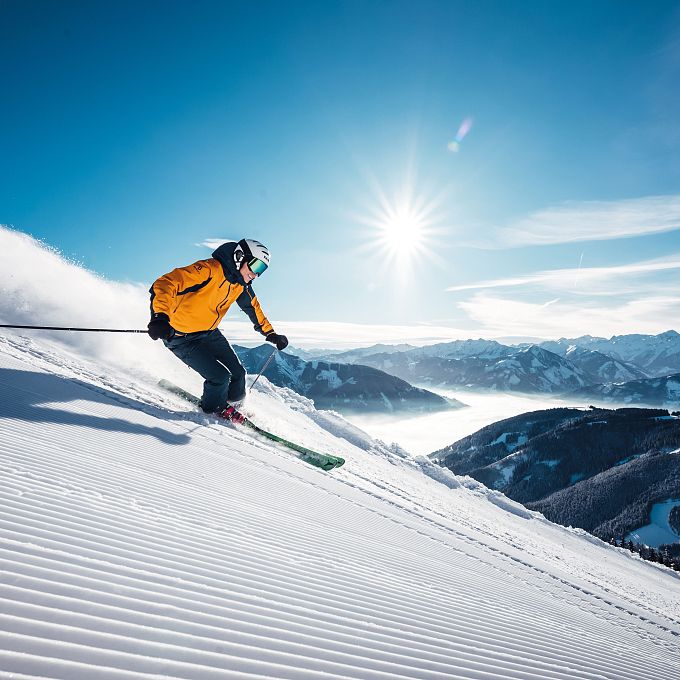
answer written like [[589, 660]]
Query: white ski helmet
[[254, 253]]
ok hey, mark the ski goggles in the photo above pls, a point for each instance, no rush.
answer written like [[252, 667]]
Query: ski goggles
[[257, 266]]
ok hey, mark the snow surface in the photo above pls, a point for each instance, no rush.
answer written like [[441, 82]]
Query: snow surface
[[506, 469], [658, 532], [521, 439], [140, 540]]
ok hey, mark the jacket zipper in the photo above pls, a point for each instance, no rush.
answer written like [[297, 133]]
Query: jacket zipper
[[219, 304]]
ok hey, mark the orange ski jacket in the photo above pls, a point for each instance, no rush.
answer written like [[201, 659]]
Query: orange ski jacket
[[196, 297]]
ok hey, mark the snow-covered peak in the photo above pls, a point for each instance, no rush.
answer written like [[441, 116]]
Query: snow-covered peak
[[458, 349], [602, 368], [656, 354]]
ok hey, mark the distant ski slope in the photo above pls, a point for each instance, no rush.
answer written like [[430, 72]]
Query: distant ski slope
[[137, 541]]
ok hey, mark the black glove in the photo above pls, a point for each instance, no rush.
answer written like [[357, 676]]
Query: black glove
[[159, 327], [281, 341]]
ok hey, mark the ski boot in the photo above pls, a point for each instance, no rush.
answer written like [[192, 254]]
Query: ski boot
[[230, 413]]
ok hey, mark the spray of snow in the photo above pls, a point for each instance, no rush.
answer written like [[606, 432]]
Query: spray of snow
[[42, 287]]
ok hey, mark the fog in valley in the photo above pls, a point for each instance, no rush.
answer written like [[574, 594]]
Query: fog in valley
[[421, 435]]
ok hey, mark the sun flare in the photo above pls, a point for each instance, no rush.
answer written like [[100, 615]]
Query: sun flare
[[402, 229]]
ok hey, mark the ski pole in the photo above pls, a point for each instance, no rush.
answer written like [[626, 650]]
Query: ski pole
[[266, 363], [63, 328]]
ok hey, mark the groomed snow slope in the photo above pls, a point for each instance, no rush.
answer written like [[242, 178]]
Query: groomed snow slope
[[138, 540]]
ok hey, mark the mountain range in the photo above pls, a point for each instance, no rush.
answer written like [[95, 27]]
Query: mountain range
[[656, 355], [624, 369], [347, 388], [598, 469], [527, 369], [651, 391]]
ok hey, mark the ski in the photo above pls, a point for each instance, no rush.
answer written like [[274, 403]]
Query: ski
[[324, 461]]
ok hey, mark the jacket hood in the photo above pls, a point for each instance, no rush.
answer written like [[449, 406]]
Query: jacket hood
[[225, 256]]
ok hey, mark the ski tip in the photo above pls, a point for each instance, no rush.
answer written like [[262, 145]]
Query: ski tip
[[331, 464]]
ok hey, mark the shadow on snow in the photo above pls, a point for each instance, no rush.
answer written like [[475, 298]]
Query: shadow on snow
[[23, 392]]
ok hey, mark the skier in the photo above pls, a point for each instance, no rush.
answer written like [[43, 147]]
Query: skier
[[187, 305]]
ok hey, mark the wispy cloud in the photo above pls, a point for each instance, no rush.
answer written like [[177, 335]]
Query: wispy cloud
[[566, 279], [496, 316], [214, 242], [630, 298], [593, 221]]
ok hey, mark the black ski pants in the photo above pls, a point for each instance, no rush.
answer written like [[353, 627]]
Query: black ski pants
[[210, 354]]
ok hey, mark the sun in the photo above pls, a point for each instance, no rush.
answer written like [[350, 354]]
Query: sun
[[401, 229]]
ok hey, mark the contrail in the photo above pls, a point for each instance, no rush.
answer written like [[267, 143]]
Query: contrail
[[578, 270]]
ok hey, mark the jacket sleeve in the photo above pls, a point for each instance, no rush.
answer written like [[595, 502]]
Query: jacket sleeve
[[249, 303], [165, 289]]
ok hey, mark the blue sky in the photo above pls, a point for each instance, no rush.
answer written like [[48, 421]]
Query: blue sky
[[133, 133]]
